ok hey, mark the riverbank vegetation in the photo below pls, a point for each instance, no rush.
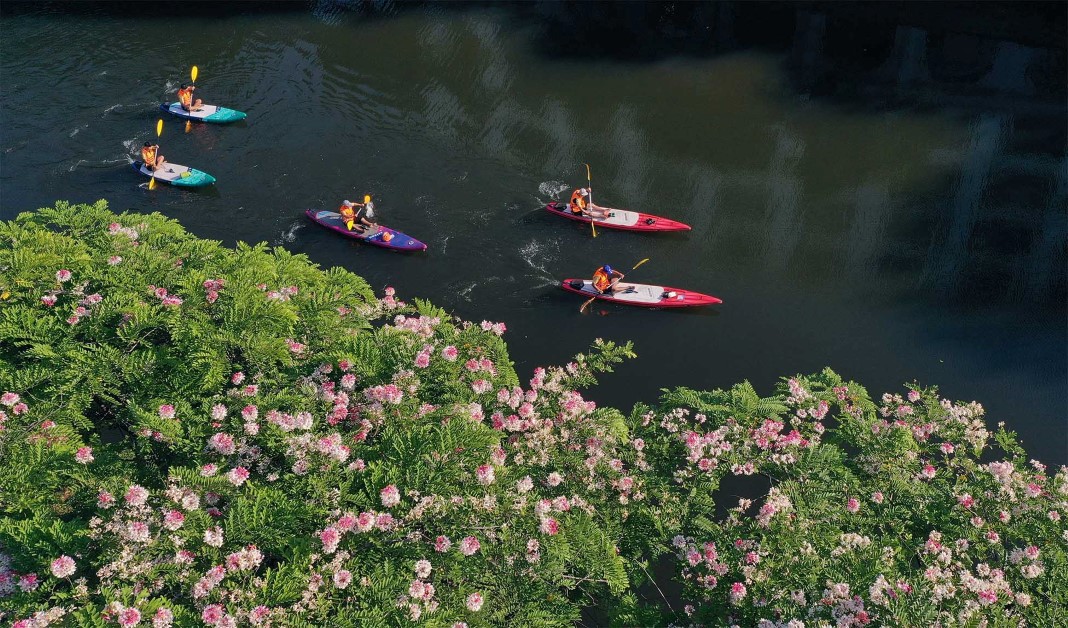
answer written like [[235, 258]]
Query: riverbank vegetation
[[197, 435]]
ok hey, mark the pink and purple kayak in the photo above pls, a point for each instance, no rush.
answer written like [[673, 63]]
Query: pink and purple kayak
[[622, 219], [381, 236], [641, 295]]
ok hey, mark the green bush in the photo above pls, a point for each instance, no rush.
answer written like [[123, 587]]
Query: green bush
[[195, 435]]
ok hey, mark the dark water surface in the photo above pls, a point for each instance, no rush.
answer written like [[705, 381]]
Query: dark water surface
[[879, 190]]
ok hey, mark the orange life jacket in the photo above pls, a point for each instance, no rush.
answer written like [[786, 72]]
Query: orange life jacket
[[148, 155], [185, 96], [578, 202], [601, 280], [347, 213]]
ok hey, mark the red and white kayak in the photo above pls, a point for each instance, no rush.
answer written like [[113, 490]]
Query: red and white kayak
[[622, 219], [642, 295]]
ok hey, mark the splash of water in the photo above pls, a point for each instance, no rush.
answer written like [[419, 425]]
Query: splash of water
[[552, 189]]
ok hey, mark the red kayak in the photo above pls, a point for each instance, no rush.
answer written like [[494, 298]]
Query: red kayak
[[622, 219], [642, 295]]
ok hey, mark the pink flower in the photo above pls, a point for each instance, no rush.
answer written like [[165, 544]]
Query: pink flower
[[966, 500], [422, 360], [214, 536], [738, 592], [28, 582], [450, 353], [877, 497], [485, 475], [442, 544], [84, 455], [237, 476], [213, 614], [105, 500], [914, 396], [163, 618], [390, 496], [853, 505], [237, 378], [63, 276], [129, 617], [384, 521], [208, 470], [258, 614], [469, 545], [330, 538], [9, 399], [481, 386], [49, 300], [549, 526], [166, 411], [136, 495], [422, 568], [474, 602], [947, 448], [173, 520], [342, 578], [112, 261], [223, 443], [63, 566], [928, 471]]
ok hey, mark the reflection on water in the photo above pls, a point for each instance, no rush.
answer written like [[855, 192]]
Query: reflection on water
[[873, 194]]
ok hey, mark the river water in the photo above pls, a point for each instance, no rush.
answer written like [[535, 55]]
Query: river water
[[882, 193]]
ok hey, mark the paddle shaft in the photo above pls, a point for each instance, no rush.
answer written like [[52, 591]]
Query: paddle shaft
[[589, 182], [159, 132]]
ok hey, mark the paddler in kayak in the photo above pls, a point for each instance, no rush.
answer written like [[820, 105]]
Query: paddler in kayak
[[581, 205], [356, 216], [605, 279], [151, 157], [185, 97]]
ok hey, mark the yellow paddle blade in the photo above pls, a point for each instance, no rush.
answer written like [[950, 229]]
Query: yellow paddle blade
[[193, 74], [159, 127], [594, 227], [188, 126], [152, 184], [640, 263], [582, 310]]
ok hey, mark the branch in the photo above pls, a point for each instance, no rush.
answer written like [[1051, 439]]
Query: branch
[[648, 575]]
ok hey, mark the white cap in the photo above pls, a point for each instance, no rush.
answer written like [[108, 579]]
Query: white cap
[[584, 192], [347, 203]]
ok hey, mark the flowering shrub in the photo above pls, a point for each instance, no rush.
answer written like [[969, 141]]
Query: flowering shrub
[[901, 513], [204, 436], [191, 435]]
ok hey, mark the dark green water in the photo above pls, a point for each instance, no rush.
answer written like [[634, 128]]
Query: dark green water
[[883, 196]]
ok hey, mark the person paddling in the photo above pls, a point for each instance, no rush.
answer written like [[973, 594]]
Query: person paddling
[[185, 97], [356, 216], [581, 204], [605, 279], [151, 157]]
